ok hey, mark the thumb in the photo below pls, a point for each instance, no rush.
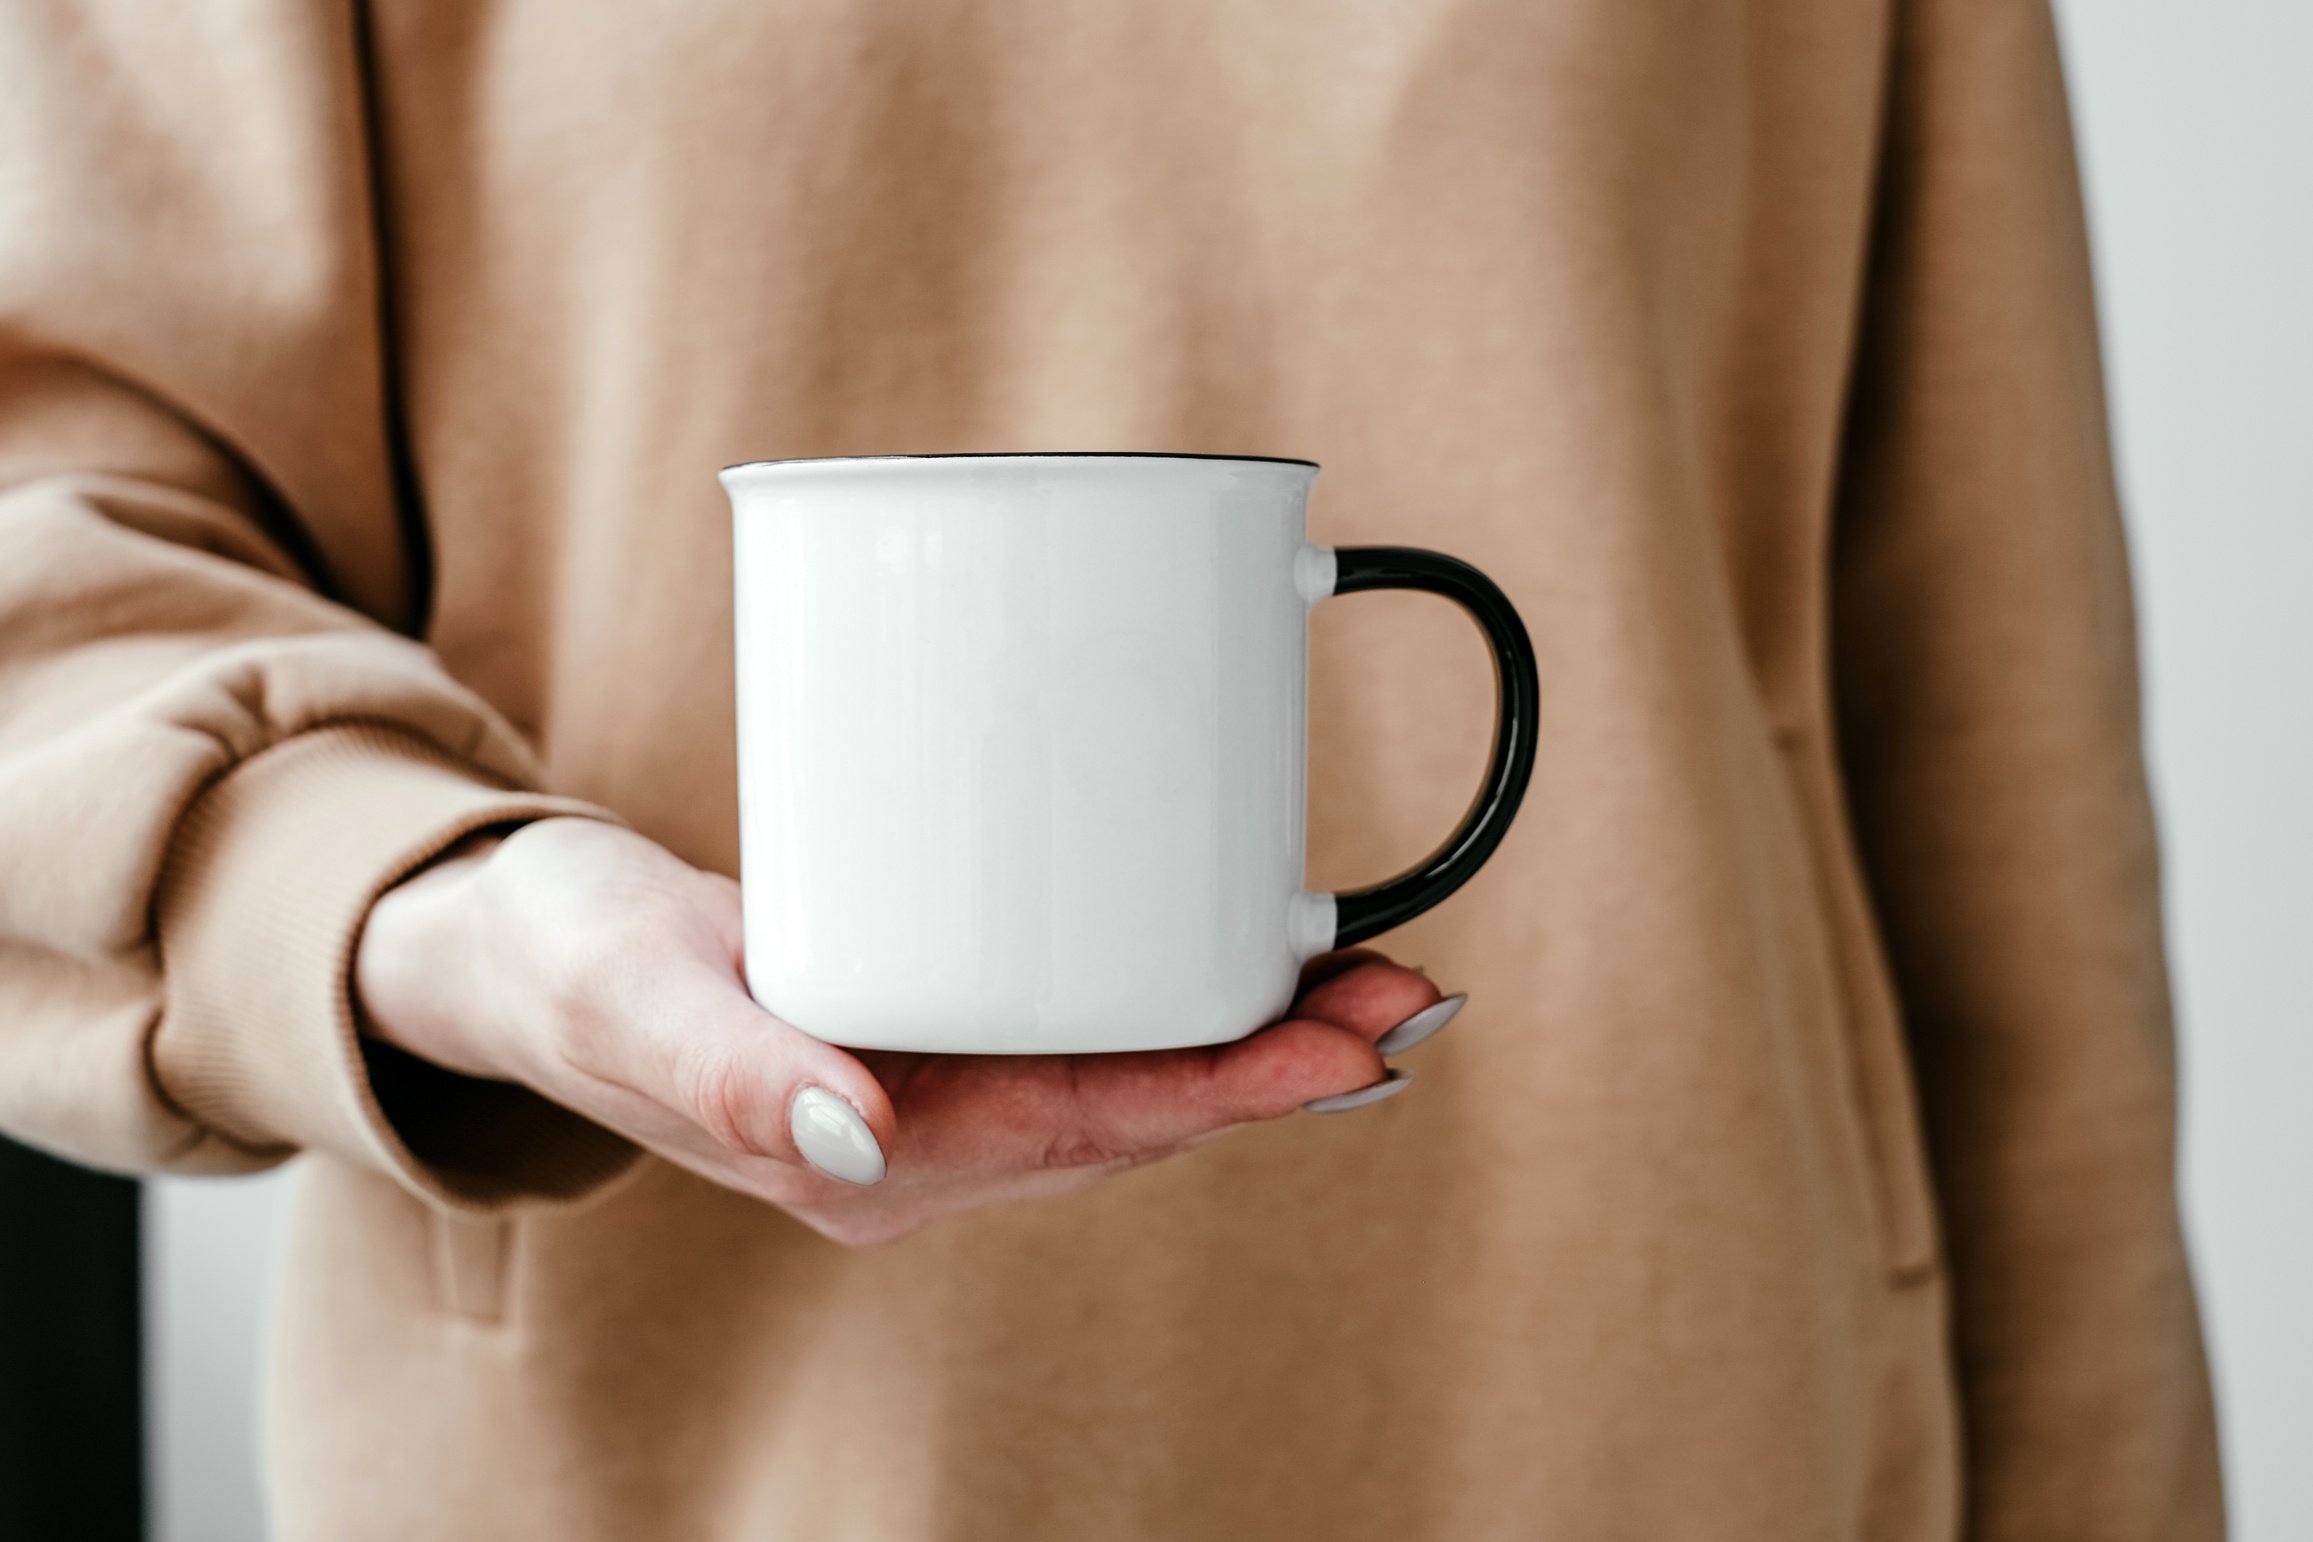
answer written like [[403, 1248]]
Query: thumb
[[696, 1044]]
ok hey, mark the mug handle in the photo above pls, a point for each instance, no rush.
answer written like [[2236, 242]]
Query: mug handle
[[1360, 914]]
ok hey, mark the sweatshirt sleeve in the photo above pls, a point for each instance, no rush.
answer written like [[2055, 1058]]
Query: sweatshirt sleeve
[[1986, 675], [218, 740]]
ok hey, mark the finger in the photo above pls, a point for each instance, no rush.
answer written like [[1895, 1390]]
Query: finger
[[1369, 998], [1326, 965], [1129, 1104], [684, 1034]]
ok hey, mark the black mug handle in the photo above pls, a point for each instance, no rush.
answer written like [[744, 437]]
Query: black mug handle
[[1363, 913]]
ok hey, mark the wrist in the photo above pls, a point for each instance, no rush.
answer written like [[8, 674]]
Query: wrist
[[412, 981]]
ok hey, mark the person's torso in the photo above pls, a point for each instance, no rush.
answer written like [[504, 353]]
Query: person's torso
[[1567, 289]]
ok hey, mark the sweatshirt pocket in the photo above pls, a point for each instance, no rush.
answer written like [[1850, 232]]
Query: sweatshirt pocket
[[472, 1257], [1878, 1061]]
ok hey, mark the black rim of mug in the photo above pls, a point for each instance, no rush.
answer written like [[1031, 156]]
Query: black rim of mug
[[829, 460]]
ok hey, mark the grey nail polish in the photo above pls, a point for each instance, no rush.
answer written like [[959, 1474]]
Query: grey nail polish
[[1420, 1026], [1341, 1103], [833, 1138]]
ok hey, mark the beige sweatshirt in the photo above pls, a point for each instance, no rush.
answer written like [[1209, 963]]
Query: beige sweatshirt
[[1802, 1168]]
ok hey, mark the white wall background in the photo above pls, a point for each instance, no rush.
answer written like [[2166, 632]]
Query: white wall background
[[2196, 124], [212, 1250]]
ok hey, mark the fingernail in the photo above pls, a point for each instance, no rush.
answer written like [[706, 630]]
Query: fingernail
[[833, 1138], [1341, 1103], [1420, 1026]]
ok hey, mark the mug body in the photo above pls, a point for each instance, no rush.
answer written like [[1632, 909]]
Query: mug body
[[1021, 748]]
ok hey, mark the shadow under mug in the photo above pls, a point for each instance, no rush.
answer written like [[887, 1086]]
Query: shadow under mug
[[1023, 742]]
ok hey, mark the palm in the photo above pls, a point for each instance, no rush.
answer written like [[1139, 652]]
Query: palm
[[1093, 1111]]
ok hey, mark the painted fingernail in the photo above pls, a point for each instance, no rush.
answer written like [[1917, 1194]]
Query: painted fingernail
[[1341, 1103], [1420, 1026], [833, 1138]]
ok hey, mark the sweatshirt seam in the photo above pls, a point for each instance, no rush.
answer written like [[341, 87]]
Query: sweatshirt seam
[[237, 760]]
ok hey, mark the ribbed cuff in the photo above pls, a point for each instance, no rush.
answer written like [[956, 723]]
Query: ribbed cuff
[[270, 877]]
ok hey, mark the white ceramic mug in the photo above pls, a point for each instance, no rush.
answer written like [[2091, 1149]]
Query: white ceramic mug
[[1022, 744]]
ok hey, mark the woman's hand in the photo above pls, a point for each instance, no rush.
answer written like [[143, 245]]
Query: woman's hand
[[594, 966]]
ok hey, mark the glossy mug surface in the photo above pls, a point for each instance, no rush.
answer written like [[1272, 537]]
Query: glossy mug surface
[[1022, 746]]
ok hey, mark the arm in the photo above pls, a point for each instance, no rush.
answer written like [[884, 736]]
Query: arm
[[216, 741], [234, 792], [1987, 693]]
